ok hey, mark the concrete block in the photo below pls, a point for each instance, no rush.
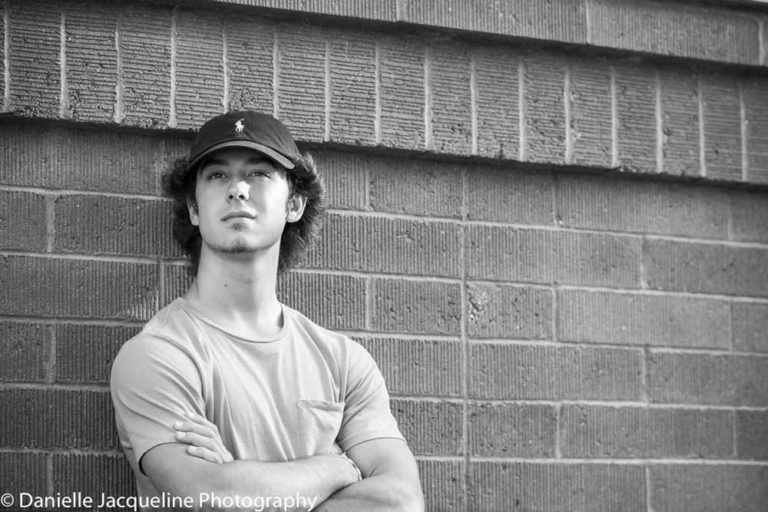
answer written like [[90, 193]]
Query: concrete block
[[23, 224], [431, 428], [706, 268], [755, 105], [641, 319], [749, 322], [250, 62], [333, 301], [544, 108], [25, 351], [497, 101], [522, 372], [451, 105], [418, 367], [636, 125], [749, 216], [504, 195], [680, 123], [719, 96], [415, 307], [84, 353], [591, 112], [515, 312], [512, 430]]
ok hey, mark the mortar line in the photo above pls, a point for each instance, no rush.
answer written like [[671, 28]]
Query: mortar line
[[702, 136], [118, 114], [428, 98], [106, 322], [50, 222], [744, 134], [172, 100], [63, 87], [473, 92], [614, 119], [377, 92], [567, 104], [275, 73], [49, 473], [659, 124], [50, 363], [225, 98], [6, 55], [327, 109], [522, 128], [648, 491]]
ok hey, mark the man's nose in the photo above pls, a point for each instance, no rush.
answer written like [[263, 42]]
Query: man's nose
[[238, 190]]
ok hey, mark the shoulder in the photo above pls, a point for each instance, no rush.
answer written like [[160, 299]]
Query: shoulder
[[165, 340]]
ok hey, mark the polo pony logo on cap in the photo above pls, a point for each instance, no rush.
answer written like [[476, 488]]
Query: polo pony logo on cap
[[239, 126]]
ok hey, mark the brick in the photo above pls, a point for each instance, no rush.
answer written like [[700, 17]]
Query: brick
[[544, 104], [176, 281], [34, 40], [692, 31], [560, 21], [512, 430], [431, 428], [68, 288], [685, 378], [335, 302], [636, 131], [451, 98], [443, 484], [416, 187], [497, 100], [91, 60], [680, 122], [113, 225], [37, 155], [706, 268], [415, 306], [591, 112], [547, 256], [640, 319], [383, 10], [23, 472], [54, 419], [556, 487], [630, 205], [749, 322], [755, 104], [250, 62], [345, 177], [145, 53], [419, 366], [22, 221], [301, 80], [520, 372], [199, 67], [84, 353], [92, 475], [401, 88], [24, 352], [722, 128], [504, 195], [374, 244], [499, 311], [352, 68], [752, 435], [708, 487], [749, 216], [599, 432]]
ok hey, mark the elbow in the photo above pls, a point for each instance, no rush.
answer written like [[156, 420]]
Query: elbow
[[408, 499]]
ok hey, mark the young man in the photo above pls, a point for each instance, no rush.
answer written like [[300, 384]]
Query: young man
[[228, 397]]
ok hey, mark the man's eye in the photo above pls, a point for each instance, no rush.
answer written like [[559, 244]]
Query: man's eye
[[215, 175], [259, 174]]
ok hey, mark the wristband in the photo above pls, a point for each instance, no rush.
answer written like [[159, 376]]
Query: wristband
[[357, 470]]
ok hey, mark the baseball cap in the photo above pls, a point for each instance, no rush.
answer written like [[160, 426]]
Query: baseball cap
[[245, 129]]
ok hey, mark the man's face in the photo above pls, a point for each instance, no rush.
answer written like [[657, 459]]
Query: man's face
[[243, 202]]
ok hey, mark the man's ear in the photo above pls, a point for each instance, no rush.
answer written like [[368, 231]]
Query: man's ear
[[192, 207], [296, 205]]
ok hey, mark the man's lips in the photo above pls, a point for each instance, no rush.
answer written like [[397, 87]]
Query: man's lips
[[238, 215]]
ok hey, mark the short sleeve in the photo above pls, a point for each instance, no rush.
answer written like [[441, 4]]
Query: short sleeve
[[367, 414], [153, 384]]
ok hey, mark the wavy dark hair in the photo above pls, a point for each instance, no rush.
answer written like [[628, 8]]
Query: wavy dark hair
[[179, 184]]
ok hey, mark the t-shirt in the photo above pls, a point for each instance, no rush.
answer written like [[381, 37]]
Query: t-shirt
[[305, 391]]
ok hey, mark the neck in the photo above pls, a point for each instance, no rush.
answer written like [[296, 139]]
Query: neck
[[238, 291]]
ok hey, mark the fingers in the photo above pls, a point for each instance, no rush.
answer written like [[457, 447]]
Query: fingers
[[205, 454]]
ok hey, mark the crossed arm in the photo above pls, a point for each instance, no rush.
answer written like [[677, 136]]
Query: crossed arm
[[199, 463]]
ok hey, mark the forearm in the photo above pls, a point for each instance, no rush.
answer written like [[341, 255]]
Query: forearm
[[386, 492], [313, 479]]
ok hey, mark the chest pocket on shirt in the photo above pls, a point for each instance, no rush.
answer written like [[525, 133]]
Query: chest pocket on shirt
[[319, 424]]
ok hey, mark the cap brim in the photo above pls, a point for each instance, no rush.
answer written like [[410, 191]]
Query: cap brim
[[266, 151]]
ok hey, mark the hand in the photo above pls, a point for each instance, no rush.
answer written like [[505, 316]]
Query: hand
[[203, 439]]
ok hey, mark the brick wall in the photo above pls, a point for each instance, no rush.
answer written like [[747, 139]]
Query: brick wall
[[548, 224]]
